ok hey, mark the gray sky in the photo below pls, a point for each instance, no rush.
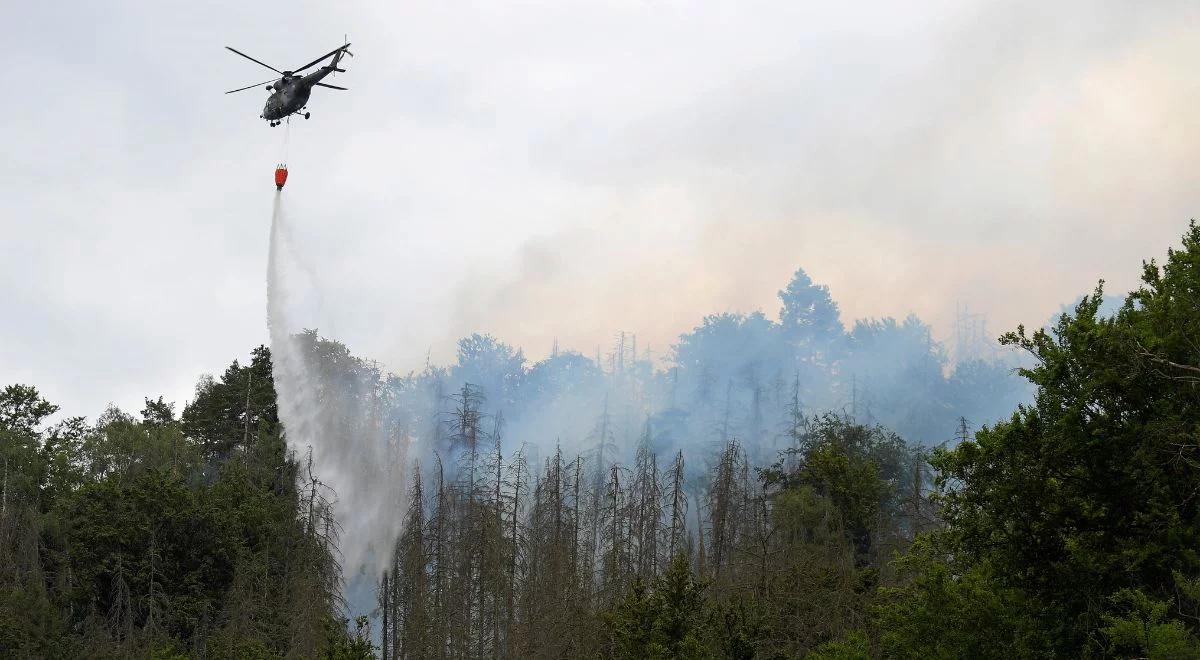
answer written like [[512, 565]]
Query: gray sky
[[543, 170]]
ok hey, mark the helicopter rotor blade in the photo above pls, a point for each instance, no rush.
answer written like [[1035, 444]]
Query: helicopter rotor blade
[[242, 89], [254, 60], [323, 57], [321, 84]]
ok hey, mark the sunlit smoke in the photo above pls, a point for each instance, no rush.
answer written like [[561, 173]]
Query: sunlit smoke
[[744, 377]]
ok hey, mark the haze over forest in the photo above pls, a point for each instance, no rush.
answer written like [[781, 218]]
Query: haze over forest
[[743, 377], [618, 330]]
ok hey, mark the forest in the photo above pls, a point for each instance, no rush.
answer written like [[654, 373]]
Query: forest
[[771, 488]]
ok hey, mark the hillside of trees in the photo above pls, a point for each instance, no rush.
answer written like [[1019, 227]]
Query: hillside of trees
[[774, 488], [164, 535]]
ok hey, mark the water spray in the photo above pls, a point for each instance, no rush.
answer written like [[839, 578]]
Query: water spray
[[324, 417]]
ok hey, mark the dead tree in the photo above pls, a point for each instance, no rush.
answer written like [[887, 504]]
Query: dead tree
[[675, 530], [646, 510]]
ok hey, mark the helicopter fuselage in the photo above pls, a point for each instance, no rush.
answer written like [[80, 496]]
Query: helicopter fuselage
[[291, 94]]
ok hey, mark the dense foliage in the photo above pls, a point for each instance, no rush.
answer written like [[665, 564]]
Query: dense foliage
[[1079, 515], [164, 536]]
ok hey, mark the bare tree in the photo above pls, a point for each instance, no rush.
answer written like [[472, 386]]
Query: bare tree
[[675, 531], [646, 510]]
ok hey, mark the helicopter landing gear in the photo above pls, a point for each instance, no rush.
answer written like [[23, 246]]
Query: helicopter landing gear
[[307, 114]]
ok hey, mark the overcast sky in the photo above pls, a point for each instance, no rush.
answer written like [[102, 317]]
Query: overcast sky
[[559, 170]]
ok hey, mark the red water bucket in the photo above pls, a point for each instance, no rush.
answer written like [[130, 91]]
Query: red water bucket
[[280, 177]]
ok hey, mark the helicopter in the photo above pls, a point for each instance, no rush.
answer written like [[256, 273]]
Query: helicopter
[[289, 94]]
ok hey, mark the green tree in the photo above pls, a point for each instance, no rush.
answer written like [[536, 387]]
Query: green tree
[[29, 623], [662, 621], [944, 609], [809, 314], [1091, 490], [1141, 628], [229, 412]]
